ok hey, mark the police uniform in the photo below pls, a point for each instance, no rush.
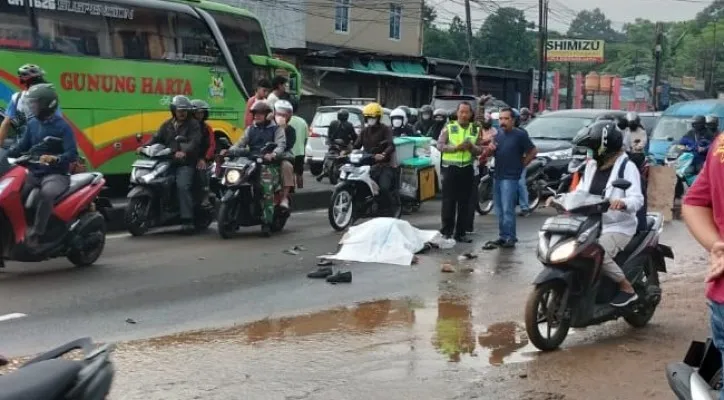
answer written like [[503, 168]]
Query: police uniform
[[458, 179]]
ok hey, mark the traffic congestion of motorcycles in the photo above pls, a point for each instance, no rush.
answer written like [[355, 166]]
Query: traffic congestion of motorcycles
[[245, 188]]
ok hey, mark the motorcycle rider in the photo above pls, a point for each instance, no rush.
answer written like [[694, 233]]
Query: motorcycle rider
[[283, 112], [697, 136], [302, 129], [18, 111], [341, 129], [635, 138], [605, 140], [208, 145], [439, 118], [423, 125], [377, 139], [186, 153], [258, 135], [51, 175], [712, 123], [400, 127]]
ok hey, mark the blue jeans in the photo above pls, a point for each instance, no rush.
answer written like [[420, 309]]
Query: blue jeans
[[717, 329], [523, 201], [506, 194]]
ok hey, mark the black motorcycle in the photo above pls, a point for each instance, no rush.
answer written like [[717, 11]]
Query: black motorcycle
[[536, 183], [152, 198], [50, 377], [333, 161], [572, 291], [252, 193]]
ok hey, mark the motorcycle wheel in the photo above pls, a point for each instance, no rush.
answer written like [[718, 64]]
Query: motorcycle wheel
[[88, 257], [226, 220], [341, 209], [333, 174], [534, 195], [642, 314], [537, 312], [136, 216], [485, 197]]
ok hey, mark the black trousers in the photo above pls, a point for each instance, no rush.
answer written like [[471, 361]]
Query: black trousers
[[470, 222], [456, 188]]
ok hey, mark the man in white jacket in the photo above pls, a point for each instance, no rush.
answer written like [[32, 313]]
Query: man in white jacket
[[605, 141]]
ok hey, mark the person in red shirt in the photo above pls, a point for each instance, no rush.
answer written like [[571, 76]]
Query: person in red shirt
[[703, 212], [263, 87]]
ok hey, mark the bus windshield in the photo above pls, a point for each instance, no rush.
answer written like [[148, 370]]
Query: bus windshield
[[243, 36]]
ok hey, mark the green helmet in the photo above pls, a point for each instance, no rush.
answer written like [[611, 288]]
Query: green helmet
[[42, 100]]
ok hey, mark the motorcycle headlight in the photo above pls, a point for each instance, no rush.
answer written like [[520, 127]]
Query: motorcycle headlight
[[563, 252], [5, 183], [233, 176]]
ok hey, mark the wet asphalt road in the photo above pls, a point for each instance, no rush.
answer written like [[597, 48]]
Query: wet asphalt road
[[168, 283]]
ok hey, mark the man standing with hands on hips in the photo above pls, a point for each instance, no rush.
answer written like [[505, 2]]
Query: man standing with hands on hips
[[459, 147], [513, 151]]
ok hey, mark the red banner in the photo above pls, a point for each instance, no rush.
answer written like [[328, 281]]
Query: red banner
[[555, 97], [616, 94]]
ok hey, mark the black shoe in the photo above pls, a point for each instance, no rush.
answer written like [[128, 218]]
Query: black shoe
[[525, 213], [340, 277], [320, 273], [463, 239], [493, 244], [623, 299], [508, 244]]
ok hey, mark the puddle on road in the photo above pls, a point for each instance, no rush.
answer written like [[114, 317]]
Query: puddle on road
[[442, 331]]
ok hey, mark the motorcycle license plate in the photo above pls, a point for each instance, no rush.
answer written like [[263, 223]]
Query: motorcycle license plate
[[144, 163]]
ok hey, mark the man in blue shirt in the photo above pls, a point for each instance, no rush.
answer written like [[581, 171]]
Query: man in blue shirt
[[51, 174], [18, 112], [513, 151]]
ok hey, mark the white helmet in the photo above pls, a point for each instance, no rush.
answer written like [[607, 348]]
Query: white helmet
[[399, 113], [283, 106]]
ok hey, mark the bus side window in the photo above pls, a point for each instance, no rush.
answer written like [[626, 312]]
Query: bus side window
[[194, 41], [72, 33], [16, 31], [146, 37]]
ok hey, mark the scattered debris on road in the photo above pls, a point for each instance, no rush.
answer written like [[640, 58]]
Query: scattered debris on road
[[447, 268], [131, 321]]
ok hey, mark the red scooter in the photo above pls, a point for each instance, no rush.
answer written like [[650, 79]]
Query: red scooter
[[77, 228]]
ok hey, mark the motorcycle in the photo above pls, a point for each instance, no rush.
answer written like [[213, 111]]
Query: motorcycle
[[536, 182], [571, 290], [357, 194], [251, 195], [50, 377], [77, 227], [699, 376], [333, 161], [152, 198], [681, 158], [575, 166]]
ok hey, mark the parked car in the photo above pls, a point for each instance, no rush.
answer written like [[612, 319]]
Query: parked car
[[553, 131], [317, 143]]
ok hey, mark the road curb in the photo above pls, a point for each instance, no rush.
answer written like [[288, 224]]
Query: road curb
[[303, 201]]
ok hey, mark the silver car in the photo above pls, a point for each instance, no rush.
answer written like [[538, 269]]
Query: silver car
[[317, 143]]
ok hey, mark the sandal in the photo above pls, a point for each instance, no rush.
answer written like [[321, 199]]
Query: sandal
[[493, 244]]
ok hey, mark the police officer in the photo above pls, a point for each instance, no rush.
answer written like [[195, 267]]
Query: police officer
[[458, 144]]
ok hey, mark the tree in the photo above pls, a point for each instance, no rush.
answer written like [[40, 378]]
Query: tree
[[711, 13], [503, 40], [429, 15], [593, 25]]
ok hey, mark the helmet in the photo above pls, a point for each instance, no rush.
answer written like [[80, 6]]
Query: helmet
[[343, 114], [525, 112], [372, 110], [200, 105], [181, 103], [398, 115], [406, 110], [712, 122], [29, 73], [439, 113], [602, 137], [621, 123], [634, 121], [698, 122], [426, 109], [283, 106], [43, 100], [261, 107]]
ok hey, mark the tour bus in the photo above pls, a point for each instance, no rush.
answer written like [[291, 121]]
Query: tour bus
[[117, 63]]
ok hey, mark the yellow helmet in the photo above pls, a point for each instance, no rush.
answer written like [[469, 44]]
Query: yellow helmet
[[372, 110]]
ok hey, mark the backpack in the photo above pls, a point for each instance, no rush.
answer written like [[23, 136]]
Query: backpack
[[641, 213]]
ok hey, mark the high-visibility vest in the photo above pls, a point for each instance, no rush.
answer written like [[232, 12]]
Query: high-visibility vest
[[456, 135]]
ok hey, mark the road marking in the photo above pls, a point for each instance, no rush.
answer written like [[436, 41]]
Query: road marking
[[8, 317]]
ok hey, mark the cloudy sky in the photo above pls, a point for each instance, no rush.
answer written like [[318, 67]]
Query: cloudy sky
[[563, 11]]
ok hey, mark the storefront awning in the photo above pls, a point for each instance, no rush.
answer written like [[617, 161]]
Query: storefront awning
[[383, 73]]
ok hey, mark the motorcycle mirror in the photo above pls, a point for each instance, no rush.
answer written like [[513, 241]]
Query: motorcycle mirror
[[139, 137], [622, 184], [181, 139]]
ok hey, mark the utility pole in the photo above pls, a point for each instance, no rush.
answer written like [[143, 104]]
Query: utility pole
[[471, 60], [657, 67], [541, 53], [545, 48]]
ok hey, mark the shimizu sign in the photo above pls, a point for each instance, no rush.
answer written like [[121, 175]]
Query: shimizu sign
[[574, 50]]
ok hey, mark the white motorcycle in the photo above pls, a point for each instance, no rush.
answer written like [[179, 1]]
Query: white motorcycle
[[357, 194]]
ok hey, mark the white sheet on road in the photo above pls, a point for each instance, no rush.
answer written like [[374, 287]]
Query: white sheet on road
[[383, 240]]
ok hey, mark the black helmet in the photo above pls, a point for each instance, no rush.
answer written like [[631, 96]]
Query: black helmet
[[712, 122], [698, 122], [602, 137], [426, 109], [261, 107], [200, 105], [180, 103], [30, 74], [621, 123], [343, 114], [42, 99], [633, 119]]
